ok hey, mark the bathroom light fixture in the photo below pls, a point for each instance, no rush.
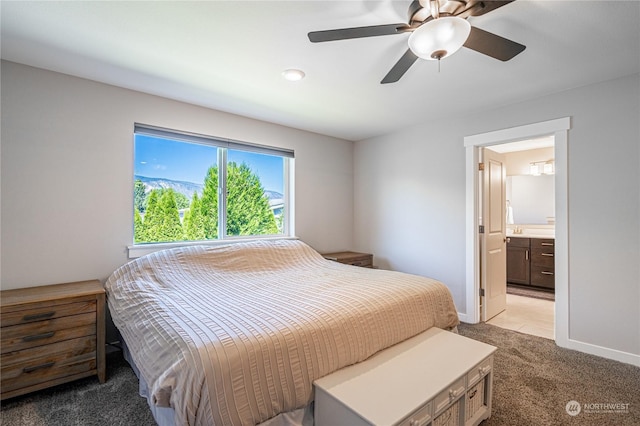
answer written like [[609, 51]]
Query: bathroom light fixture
[[439, 38], [293, 74], [542, 167], [534, 169]]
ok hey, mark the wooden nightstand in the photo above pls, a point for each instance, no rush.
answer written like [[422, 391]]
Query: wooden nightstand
[[351, 258], [51, 335]]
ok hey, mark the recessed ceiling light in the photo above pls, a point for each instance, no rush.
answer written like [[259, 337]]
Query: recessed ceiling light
[[293, 74]]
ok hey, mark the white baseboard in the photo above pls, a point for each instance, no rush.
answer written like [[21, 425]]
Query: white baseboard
[[466, 318], [616, 355]]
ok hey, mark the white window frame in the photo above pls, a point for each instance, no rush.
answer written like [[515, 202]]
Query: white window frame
[[288, 232]]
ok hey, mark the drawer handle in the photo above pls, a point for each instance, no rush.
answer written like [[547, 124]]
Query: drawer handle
[[38, 336], [547, 273], [37, 367], [483, 370], [472, 394], [547, 244], [547, 254], [38, 316], [453, 393]]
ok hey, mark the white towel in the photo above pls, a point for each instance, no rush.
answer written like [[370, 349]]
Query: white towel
[[509, 215]]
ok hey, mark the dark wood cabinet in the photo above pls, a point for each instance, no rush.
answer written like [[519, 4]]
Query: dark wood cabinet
[[518, 261], [531, 262], [543, 263]]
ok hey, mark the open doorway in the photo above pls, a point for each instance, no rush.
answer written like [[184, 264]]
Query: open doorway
[[559, 128], [530, 235]]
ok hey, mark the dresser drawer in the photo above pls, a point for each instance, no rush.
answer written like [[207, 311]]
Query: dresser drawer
[[23, 336], [47, 312], [25, 368]]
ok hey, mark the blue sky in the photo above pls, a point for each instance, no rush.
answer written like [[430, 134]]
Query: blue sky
[[163, 158]]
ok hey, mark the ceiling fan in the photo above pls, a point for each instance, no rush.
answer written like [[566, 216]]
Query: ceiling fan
[[438, 29]]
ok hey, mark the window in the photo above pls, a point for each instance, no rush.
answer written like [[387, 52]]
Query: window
[[191, 187]]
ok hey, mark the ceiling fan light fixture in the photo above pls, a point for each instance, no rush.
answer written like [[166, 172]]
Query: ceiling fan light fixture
[[439, 38]]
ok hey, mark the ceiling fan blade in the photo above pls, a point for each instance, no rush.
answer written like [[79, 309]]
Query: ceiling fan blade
[[358, 32], [401, 67], [492, 45], [487, 6], [478, 8]]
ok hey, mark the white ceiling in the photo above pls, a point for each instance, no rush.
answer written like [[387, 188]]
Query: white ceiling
[[229, 55]]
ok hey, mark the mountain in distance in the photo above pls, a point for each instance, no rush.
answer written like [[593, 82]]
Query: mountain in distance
[[273, 195], [186, 188]]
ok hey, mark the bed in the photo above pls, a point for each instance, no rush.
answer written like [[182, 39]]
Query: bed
[[236, 334]]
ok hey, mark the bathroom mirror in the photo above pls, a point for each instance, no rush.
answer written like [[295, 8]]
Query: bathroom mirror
[[532, 198]]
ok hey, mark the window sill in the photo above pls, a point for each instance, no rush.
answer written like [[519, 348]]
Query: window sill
[[138, 250]]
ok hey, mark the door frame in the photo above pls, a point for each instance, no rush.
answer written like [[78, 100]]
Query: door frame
[[560, 129]]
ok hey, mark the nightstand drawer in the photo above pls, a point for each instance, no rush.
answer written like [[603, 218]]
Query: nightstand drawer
[[18, 337], [365, 262], [22, 369], [49, 312]]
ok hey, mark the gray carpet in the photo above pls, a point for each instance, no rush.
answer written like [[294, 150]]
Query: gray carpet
[[85, 402], [533, 382]]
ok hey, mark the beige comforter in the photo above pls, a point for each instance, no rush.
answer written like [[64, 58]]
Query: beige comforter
[[237, 334]]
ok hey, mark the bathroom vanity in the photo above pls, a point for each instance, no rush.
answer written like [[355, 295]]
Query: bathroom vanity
[[531, 261]]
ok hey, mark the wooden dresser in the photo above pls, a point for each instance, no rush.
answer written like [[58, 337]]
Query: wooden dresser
[[51, 335], [351, 258]]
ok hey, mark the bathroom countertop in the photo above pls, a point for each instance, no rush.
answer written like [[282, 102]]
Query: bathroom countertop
[[531, 235]]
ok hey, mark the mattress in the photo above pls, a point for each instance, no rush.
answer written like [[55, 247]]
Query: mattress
[[237, 334]]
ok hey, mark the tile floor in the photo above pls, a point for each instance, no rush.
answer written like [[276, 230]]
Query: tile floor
[[527, 315]]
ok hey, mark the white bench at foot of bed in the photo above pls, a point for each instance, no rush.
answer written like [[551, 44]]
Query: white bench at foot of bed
[[436, 378]]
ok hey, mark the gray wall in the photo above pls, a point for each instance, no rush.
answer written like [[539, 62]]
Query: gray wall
[[66, 186], [410, 203], [67, 173]]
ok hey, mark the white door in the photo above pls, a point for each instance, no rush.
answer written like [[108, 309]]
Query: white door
[[493, 253]]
